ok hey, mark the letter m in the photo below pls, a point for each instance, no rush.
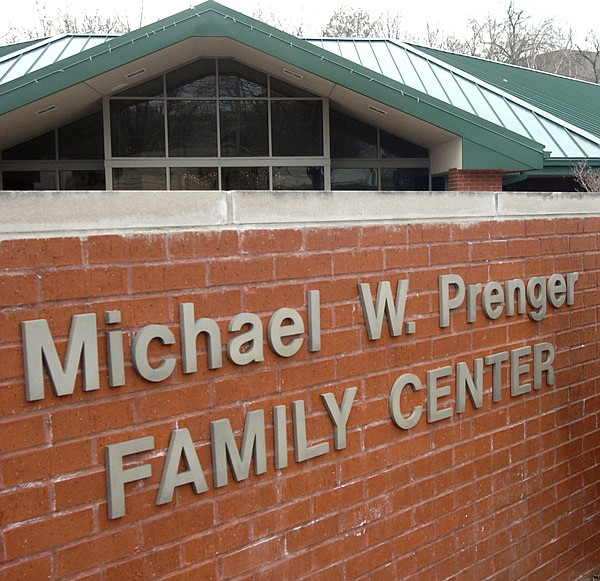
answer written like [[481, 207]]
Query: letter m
[[384, 305], [39, 349]]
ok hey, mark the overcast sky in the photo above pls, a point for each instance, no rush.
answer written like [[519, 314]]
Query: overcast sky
[[449, 15]]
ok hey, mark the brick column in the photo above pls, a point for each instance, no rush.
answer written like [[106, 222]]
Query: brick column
[[474, 180]]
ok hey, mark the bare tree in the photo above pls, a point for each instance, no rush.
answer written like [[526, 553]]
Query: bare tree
[[586, 177], [349, 22], [358, 23], [589, 56], [66, 21]]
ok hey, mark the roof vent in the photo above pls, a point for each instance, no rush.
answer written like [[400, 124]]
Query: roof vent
[[46, 110], [376, 110], [293, 74], [135, 74]]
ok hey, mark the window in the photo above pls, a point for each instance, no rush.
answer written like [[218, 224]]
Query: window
[[70, 158], [364, 157], [235, 127]]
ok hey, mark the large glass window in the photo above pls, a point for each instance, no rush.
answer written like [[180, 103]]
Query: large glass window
[[223, 117], [364, 157], [137, 128], [244, 128], [297, 128], [139, 178], [192, 128], [70, 158]]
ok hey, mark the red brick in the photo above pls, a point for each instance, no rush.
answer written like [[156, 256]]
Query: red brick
[[24, 503], [168, 277], [269, 241], [18, 434], [40, 253], [124, 249], [90, 419], [50, 532], [18, 289], [200, 244], [85, 283], [27, 568], [103, 550]]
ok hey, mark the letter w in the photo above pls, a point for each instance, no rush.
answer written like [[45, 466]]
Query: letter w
[[39, 348], [384, 305]]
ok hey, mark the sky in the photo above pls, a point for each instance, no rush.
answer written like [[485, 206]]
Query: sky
[[449, 15]]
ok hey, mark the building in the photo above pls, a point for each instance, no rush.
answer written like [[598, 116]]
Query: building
[[210, 99], [240, 384]]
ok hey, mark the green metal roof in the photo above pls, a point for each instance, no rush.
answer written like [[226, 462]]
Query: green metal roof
[[488, 140], [33, 56], [572, 100], [558, 125]]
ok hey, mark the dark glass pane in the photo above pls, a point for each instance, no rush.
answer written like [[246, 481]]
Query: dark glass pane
[[83, 139], [297, 127], [29, 180], [282, 89], [392, 146], [140, 178], [245, 178], [298, 178], [150, 89], [351, 138], [41, 147], [192, 128], [354, 179], [82, 180], [408, 179], [137, 128], [238, 80], [194, 178], [244, 128], [195, 80]]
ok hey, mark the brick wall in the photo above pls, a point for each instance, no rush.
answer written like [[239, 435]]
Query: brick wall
[[506, 491], [474, 180]]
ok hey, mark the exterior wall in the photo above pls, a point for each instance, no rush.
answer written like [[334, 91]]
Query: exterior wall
[[474, 180], [509, 490]]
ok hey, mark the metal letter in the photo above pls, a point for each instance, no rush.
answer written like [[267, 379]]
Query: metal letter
[[540, 366], [537, 300], [252, 338], [465, 381], [139, 353], [190, 328], [434, 414], [448, 304], [314, 320], [39, 348], [514, 287], [516, 370], [114, 348], [496, 360], [339, 415], [302, 450], [280, 436], [406, 423], [276, 331], [492, 300], [181, 445], [117, 477], [557, 290], [384, 304], [572, 278], [224, 446]]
